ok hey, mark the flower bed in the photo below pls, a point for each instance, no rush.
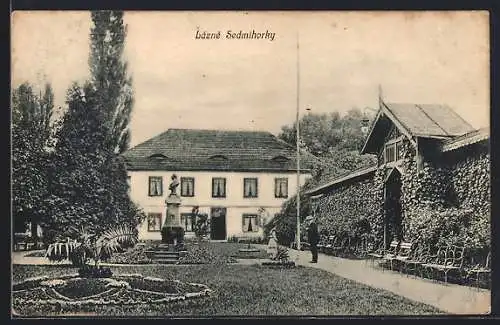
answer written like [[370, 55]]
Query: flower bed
[[72, 292]]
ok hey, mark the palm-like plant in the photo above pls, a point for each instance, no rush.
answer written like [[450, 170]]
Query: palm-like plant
[[94, 246]]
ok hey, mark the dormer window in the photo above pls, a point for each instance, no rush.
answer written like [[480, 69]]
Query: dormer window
[[218, 157], [158, 156]]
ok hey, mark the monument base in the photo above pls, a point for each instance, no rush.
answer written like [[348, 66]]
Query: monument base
[[173, 236]]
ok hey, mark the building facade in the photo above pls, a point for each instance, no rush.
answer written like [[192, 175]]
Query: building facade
[[239, 179], [432, 167]]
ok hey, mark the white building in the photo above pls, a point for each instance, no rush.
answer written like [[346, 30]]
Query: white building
[[239, 179]]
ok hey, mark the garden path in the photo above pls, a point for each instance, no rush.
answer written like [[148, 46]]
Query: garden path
[[451, 298]]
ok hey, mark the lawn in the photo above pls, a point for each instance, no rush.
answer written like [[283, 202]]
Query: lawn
[[232, 250], [247, 290]]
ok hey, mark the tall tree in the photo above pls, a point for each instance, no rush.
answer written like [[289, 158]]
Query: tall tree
[[109, 75], [31, 138], [88, 182]]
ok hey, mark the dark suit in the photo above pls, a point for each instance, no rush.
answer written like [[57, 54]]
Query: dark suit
[[313, 238]]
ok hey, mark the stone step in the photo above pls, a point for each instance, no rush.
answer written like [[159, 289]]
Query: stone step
[[166, 255], [165, 261]]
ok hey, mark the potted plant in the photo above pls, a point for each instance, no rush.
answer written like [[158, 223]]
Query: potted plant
[[93, 247]]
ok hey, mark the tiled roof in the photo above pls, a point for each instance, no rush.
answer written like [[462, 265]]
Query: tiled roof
[[429, 119], [191, 149]]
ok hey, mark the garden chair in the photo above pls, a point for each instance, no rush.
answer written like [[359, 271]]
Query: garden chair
[[362, 247], [391, 254], [322, 244], [403, 254], [475, 273], [375, 252], [330, 243], [434, 262], [340, 246], [453, 263], [20, 241], [419, 256]]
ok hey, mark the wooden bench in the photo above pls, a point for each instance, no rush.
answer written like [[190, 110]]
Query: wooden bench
[[447, 259]]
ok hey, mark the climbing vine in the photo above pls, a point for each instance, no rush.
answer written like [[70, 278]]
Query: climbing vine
[[445, 201]]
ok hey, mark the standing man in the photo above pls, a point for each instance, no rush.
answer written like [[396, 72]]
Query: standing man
[[313, 237]]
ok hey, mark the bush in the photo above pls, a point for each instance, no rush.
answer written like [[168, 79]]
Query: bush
[[285, 222], [135, 255], [203, 254]]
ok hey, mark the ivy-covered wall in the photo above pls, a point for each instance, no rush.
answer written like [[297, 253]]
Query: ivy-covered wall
[[445, 200], [470, 179], [351, 209]]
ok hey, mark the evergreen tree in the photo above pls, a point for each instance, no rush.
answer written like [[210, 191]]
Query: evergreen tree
[[109, 75], [88, 182]]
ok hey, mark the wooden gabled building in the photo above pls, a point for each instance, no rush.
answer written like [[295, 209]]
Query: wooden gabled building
[[428, 157]]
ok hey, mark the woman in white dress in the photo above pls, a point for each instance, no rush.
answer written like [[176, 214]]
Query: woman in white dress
[[272, 246]]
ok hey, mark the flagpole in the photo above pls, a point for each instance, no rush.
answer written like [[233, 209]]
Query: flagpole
[[298, 148]]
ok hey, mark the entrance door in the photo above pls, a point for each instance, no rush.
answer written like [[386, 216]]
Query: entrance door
[[218, 223], [393, 214]]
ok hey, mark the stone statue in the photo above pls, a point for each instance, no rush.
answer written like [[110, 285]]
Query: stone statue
[[173, 185]]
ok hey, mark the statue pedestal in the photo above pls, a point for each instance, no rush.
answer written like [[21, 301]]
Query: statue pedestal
[[172, 232]]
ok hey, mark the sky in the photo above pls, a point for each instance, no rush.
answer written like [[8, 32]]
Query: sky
[[251, 84]]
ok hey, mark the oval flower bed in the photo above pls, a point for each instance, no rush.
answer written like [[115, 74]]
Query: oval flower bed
[[124, 289]]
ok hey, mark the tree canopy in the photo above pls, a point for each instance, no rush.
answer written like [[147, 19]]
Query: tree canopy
[[335, 139], [79, 178], [31, 138]]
